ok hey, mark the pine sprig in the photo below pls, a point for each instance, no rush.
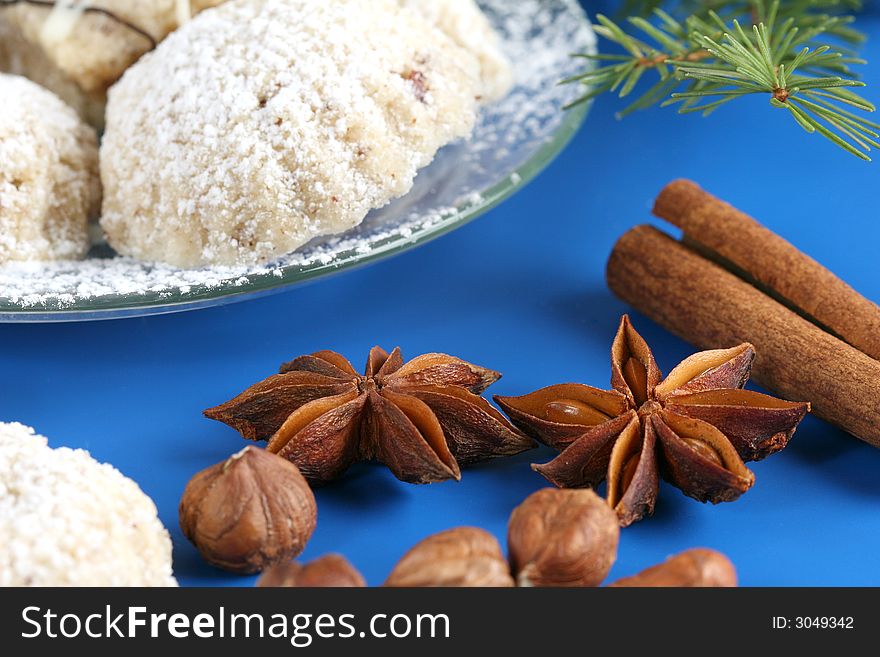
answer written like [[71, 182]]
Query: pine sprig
[[709, 59]]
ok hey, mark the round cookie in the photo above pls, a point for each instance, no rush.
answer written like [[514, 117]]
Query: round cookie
[[19, 56], [49, 184], [94, 49], [262, 124], [68, 520]]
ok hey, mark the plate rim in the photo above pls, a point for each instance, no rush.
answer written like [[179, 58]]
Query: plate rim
[[263, 284]]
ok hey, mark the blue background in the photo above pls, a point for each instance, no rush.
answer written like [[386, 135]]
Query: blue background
[[522, 291]]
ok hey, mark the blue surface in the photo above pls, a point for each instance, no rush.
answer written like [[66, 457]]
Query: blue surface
[[522, 291]]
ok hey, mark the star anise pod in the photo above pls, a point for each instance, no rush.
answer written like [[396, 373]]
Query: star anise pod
[[423, 419], [694, 428]]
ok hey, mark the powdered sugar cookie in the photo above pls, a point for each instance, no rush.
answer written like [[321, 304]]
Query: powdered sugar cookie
[[49, 185], [19, 56], [262, 124], [78, 52], [68, 520]]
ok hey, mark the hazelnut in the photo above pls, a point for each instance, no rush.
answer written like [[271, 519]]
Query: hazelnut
[[698, 567], [465, 556], [331, 570], [251, 511], [562, 537]]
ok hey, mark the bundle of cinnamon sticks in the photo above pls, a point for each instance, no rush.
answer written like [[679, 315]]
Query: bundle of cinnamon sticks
[[731, 280]]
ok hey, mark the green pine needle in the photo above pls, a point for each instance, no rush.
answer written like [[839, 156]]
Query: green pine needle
[[709, 59]]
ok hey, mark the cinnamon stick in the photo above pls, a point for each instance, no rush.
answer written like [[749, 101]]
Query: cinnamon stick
[[773, 264], [709, 306]]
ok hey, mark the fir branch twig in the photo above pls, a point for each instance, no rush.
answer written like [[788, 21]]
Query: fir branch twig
[[708, 59], [757, 64]]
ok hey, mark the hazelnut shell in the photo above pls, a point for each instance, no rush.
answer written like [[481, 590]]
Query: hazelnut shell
[[251, 511], [698, 567], [562, 537], [331, 570], [464, 556]]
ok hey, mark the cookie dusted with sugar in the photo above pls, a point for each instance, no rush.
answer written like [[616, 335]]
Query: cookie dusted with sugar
[[18, 56], [49, 184], [262, 124], [67, 520], [92, 48]]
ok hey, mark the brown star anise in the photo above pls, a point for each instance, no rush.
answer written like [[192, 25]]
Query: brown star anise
[[695, 427], [423, 419]]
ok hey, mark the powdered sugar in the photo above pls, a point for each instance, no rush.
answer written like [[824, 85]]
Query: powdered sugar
[[538, 37]]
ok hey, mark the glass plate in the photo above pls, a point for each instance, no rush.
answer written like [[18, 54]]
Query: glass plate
[[513, 141]]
